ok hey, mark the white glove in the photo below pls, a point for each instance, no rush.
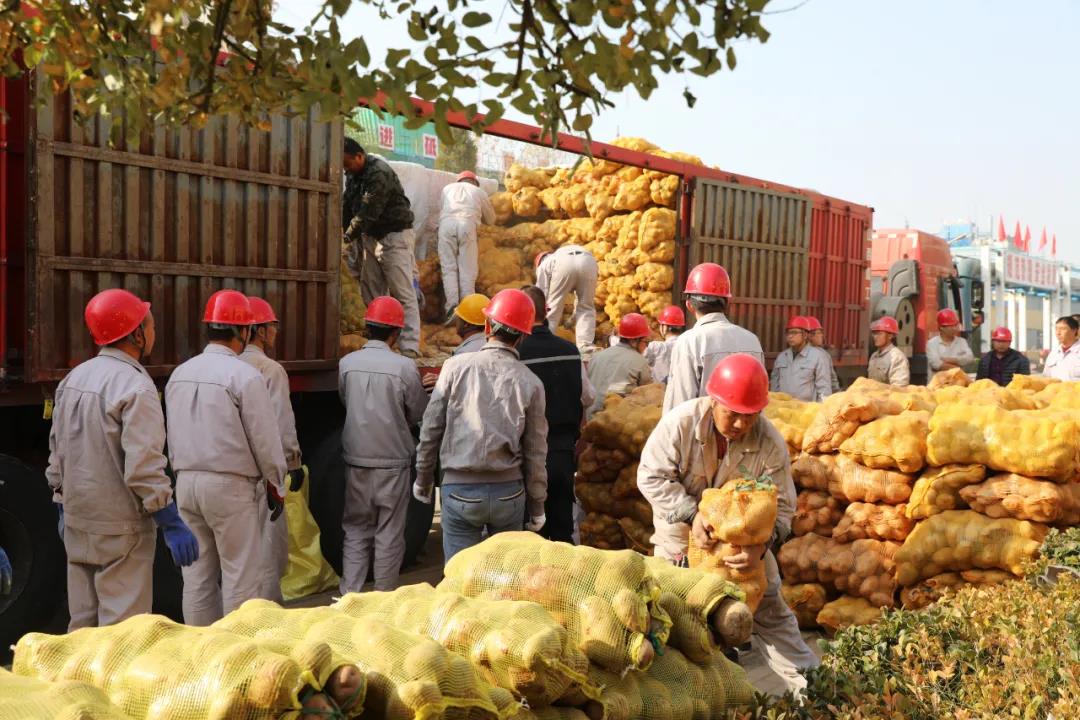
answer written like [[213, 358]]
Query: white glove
[[535, 523], [424, 496]]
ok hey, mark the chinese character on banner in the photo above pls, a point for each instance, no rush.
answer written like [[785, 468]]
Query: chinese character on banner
[[431, 146], [386, 136]]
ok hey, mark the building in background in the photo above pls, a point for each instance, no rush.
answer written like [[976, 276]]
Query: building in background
[[388, 137]]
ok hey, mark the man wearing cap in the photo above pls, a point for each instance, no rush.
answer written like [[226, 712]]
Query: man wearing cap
[[225, 447], [486, 425], [621, 368], [817, 339], [384, 401], [1003, 362], [464, 207], [107, 471], [888, 363], [948, 350], [672, 323], [264, 330], [705, 443], [570, 269], [713, 337], [801, 371]]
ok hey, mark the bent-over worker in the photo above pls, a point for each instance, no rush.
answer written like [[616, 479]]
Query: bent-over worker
[[672, 323], [1003, 362], [621, 368], [464, 207], [888, 364], [570, 269], [107, 469], [948, 350], [802, 370]]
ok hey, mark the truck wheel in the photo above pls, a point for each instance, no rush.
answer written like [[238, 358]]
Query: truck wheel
[[29, 536]]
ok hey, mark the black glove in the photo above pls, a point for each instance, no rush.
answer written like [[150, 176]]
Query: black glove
[[275, 502], [296, 478]]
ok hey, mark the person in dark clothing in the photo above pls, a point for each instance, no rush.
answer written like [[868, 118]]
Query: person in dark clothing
[[558, 364], [377, 220], [1001, 363]]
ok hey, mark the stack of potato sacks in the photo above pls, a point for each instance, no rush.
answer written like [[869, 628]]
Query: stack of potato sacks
[[606, 485], [905, 492]]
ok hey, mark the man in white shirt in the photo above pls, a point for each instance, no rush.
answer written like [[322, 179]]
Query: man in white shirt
[[948, 350], [464, 206], [1063, 362]]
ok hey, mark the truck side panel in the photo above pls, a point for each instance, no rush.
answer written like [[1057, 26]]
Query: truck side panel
[[185, 213]]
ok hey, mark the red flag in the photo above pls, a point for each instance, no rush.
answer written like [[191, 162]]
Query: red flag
[[1042, 241], [1018, 238], [1053, 246], [1027, 238], [1001, 229]]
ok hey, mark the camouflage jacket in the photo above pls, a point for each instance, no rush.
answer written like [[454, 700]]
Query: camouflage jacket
[[374, 203]]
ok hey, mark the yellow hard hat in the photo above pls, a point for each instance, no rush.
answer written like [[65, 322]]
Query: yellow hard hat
[[471, 308]]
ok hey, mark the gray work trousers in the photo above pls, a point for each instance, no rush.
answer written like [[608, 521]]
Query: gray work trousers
[[376, 500]]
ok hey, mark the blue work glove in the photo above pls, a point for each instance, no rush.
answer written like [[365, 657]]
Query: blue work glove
[[5, 573], [297, 477], [178, 536], [60, 520]]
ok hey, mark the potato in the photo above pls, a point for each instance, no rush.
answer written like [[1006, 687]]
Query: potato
[[816, 512], [346, 687]]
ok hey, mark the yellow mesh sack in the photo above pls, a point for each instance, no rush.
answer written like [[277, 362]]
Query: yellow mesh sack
[[740, 512], [848, 481], [1033, 443], [153, 668], [933, 589], [515, 645], [954, 377], [636, 536], [601, 464], [987, 392], [751, 582], [605, 599], [1025, 498], [626, 423], [695, 601], [626, 483], [602, 532], [308, 572], [863, 521], [23, 698], [407, 675], [597, 498], [816, 512], [864, 568], [938, 489], [892, 442], [800, 559], [846, 612], [966, 540], [555, 713], [841, 415], [1031, 383], [791, 418], [805, 600], [526, 202]]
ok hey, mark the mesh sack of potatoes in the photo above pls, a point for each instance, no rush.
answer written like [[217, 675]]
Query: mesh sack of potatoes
[[602, 531], [740, 512], [626, 423], [706, 611], [597, 498], [957, 540], [987, 392], [1031, 383], [1025, 498], [1033, 443], [153, 668], [519, 176], [626, 483], [752, 583], [800, 559], [805, 600], [605, 599], [862, 521], [954, 377], [938, 489], [847, 611], [25, 698], [637, 536], [514, 645], [891, 442], [816, 512], [841, 415], [407, 675], [910, 397], [352, 304], [848, 481], [601, 464], [791, 418], [933, 589], [503, 205], [864, 568]]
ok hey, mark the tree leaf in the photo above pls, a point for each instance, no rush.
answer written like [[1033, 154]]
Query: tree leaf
[[473, 19]]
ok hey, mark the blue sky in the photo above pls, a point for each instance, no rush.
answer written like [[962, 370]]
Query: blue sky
[[927, 111]]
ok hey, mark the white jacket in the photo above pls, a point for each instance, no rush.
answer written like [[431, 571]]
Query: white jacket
[[697, 352], [1063, 364], [465, 201], [277, 385]]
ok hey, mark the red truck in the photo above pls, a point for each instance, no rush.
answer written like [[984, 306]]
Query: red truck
[[188, 212]]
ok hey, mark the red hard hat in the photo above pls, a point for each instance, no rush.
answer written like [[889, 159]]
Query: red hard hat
[[947, 317], [885, 324], [799, 323], [739, 383], [261, 312], [814, 323], [466, 175], [513, 309], [539, 258], [709, 279], [228, 307], [633, 326], [672, 316], [114, 314], [385, 310], [1001, 333]]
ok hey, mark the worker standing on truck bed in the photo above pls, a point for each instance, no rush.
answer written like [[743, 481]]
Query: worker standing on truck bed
[[706, 443], [486, 423], [621, 368], [570, 269], [377, 219], [672, 323], [948, 350], [817, 339], [1063, 362], [264, 330], [802, 370], [225, 447], [888, 364], [384, 400], [107, 470], [464, 207], [1002, 363], [713, 337], [567, 392]]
